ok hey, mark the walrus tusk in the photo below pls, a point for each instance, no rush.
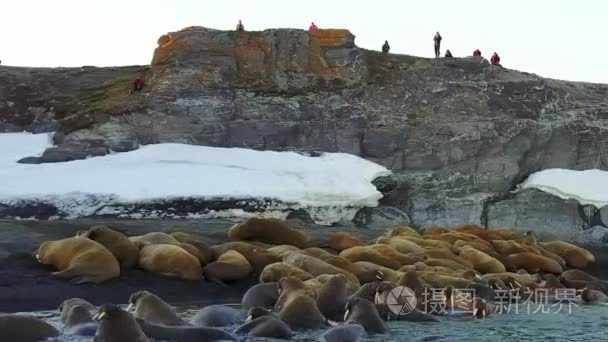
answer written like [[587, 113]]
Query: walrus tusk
[[346, 315], [129, 307]]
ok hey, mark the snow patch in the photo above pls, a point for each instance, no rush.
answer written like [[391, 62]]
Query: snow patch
[[330, 187], [587, 187]]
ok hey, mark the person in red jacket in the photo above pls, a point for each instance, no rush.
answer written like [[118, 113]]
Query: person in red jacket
[[495, 59], [138, 83], [477, 53], [312, 27]]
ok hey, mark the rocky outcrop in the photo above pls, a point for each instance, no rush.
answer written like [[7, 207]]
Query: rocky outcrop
[[459, 133]]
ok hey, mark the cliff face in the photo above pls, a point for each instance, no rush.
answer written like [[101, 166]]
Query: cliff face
[[459, 134]]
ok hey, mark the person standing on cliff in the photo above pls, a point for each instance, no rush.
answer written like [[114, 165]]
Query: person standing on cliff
[[495, 59], [240, 27], [385, 47], [312, 27], [437, 40]]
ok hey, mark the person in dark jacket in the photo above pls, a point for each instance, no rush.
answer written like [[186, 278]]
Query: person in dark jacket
[[448, 54], [385, 47], [240, 27], [437, 40]]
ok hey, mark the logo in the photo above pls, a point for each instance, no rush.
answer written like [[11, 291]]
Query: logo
[[401, 300]]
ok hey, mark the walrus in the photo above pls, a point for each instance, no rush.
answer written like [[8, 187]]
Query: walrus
[[278, 270], [428, 244], [80, 259], [298, 307], [125, 251], [359, 253], [217, 316], [401, 245], [343, 333], [478, 246], [152, 308], [488, 235], [332, 297], [230, 266], [170, 260], [195, 252], [261, 295], [402, 231], [155, 238], [77, 315], [282, 249], [451, 264], [200, 244], [364, 312], [183, 333], [262, 323], [66, 306], [117, 325], [531, 262], [317, 267], [592, 296], [437, 280], [508, 247], [452, 237], [381, 300], [271, 231], [580, 279], [576, 257], [316, 252], [440, 254], [344, 240], [257, 256], [372, 272], [25, 329], [481, 261], [392, 253], [483, 308]]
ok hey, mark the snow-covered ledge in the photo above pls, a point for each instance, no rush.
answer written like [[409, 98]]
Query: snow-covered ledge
[[330, 187], [588, 187]]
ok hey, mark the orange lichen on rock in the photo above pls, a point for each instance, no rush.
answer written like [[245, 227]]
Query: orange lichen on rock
[[166, 45], [329, 37]]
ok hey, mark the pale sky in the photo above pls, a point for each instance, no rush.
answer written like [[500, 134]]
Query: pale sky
[[562, 39]]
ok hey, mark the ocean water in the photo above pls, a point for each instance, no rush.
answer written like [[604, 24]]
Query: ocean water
[[582, 323]]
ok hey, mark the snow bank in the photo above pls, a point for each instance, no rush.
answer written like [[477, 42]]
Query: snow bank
[[587, 187], [330, 187]]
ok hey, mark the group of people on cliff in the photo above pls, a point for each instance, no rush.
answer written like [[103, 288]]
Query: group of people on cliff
[[138, 83], [495, 59]]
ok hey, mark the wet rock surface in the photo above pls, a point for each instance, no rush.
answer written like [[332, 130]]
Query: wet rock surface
[[459, 134]]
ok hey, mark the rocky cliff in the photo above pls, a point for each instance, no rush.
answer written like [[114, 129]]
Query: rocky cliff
[[459, 134]]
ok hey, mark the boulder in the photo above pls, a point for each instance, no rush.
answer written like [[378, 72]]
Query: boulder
[[550, 217]]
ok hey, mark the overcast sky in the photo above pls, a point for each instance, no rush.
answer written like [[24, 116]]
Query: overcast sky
[[563, 39]]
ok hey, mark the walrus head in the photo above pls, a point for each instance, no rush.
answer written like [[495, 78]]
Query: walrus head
[[108, 312], [135, 297]]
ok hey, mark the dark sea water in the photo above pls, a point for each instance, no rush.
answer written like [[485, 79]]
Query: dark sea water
[[583, 323]]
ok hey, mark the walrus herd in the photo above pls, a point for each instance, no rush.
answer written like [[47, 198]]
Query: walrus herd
[[342, 285]]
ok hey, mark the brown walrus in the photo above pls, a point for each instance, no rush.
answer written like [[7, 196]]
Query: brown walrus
[[170, 260], [125, 250], [230, 266], [271, 231], [80, 259]]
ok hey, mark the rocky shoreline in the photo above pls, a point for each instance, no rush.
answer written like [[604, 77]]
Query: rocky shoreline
[[26, 285]]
